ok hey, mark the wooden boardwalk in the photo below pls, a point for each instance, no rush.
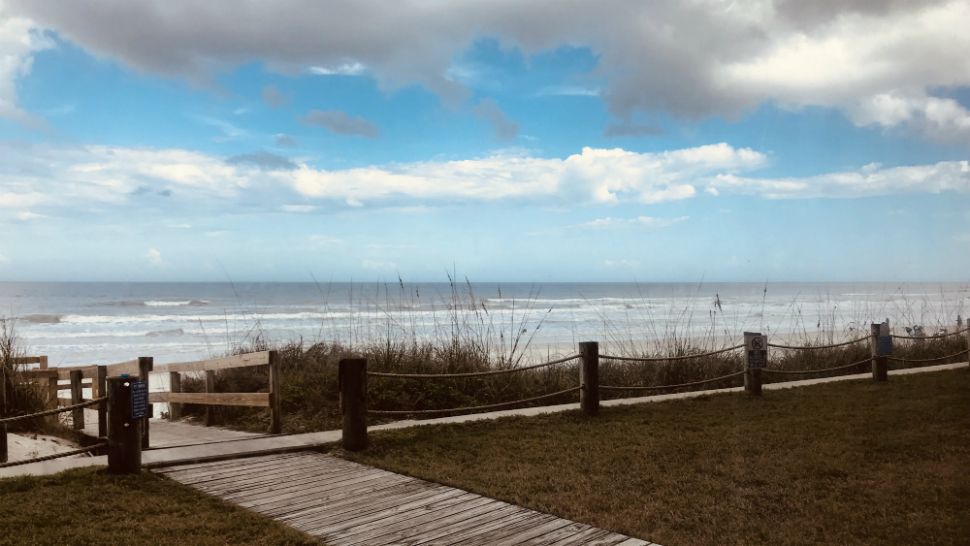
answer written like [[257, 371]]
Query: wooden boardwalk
[[345, 503]]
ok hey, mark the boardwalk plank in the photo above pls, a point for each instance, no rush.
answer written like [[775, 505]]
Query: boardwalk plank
[[350, 504], [429, 521]]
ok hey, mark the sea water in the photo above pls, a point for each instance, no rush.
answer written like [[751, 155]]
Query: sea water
[[87, 323]]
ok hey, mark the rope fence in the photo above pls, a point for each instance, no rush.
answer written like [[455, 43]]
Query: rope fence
[[86, 403], [87, 449], [820, 370], [499, 405], [935, 336], [818, 347], [669, 358], [470, 374], [680, 385], [934, 359]]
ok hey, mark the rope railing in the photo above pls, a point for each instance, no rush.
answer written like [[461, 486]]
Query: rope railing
[[677, 386], [818, 347], [669, 358], [819, 370], [86, 403], [934, 336], [934, 359], [470, 374], [473, 409], [60, 455]]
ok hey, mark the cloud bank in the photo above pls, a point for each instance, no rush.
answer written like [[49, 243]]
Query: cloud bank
[[45, 178], [885, 64]]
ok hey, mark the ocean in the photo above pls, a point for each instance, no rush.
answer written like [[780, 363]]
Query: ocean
[[89, 323]]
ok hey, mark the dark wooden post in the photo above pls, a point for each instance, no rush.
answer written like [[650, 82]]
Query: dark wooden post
[[3, 442], [52, 390], [968, 339], [755, 359], [589, 377], [124, 432], [174, 385], [352, 378], [145, 366], [210, 386], [77, 396], [275, 415], [101, 380], [880, 364]]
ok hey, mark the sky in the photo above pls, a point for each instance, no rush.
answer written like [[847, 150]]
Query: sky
[[549, 140]]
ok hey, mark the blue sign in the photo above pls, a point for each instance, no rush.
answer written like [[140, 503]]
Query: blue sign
[[139, 399], [884, 345]]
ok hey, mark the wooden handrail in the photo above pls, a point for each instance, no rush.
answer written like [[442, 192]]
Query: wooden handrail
[[244, 360], [252, 399]]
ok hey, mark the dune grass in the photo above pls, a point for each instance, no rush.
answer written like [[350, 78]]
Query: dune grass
[[855, 463], [87, 506]]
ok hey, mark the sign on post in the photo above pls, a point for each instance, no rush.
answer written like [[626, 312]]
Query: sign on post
[[884, 341], [139, 399], [756, 346]]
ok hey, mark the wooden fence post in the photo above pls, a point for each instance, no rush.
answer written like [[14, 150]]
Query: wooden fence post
[[880, 364], [101, 380], [52, 391], [77, 396], [174, 385], [145, 366], [210, 386], [124, 432], [352, 380], [275, 415], [755, 359], [589, 377], [3, 442], [968, 339]]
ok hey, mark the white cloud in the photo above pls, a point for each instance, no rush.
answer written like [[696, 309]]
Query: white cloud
[[350, 68], [715, 57], [27, 216], [154, 256], [19, 40], [94, 178], [594, 175], [869, 180], [642, 221], [302, 209]]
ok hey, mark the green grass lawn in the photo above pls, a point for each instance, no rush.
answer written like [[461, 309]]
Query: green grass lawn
[[89, 507], [844, 463]]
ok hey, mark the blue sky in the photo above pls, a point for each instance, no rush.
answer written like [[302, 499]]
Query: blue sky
[[547, 141]]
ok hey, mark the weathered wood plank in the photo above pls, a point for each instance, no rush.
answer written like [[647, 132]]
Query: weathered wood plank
[[349, 504], [557, 535], [129, 367], [533, 531], [361, 509], [395, 510], [252, 399], [416, 525], [236, 361]]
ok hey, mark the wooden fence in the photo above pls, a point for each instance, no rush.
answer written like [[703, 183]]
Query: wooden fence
[[74, 379]]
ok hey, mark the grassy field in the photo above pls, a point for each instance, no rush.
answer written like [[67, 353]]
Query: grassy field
[[88, 507], [851, 463]]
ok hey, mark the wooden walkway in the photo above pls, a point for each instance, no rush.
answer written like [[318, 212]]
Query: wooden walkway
[[346, 503]]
